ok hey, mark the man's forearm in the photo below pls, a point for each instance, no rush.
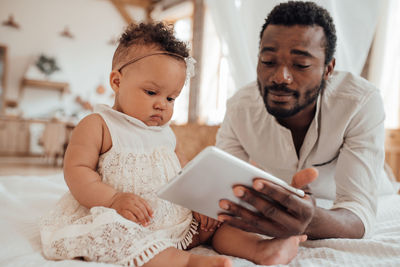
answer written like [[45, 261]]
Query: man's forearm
[[338, 223]]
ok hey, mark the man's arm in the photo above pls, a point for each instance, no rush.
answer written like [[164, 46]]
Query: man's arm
[[280, 213], [359, 165], [337, 223], [284, 214]]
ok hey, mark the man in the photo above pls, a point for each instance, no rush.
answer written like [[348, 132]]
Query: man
[[302, 114]]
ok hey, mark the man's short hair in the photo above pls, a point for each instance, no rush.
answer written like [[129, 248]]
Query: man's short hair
[[159, 35], [304, 13]]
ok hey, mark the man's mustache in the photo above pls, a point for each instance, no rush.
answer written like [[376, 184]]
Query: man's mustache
[[276, 88]]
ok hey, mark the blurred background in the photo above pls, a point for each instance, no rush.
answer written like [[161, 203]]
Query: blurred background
[[55, 59]]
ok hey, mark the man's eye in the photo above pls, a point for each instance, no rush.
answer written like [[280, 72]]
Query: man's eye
[[300, 66], [268, 63], [150, 92], [170, 99]]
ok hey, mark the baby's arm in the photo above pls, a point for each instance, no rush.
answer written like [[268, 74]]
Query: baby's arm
[[80, 163], [90, 139]]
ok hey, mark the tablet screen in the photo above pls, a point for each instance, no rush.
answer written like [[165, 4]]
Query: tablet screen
[[209, 177]]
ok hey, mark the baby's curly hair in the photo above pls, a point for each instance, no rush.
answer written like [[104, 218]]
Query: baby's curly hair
[[304, 13], [156, 34]]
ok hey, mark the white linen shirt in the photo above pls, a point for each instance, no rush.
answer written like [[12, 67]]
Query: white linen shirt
[[345, 142]]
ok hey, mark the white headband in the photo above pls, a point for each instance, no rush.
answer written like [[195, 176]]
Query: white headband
[[189, 61]]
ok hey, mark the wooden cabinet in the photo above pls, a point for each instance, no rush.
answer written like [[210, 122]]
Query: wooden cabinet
[[14, 136]]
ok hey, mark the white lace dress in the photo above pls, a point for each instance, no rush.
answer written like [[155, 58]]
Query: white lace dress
[[141, 160]]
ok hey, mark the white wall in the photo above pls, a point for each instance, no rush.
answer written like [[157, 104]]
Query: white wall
[[85, 60]]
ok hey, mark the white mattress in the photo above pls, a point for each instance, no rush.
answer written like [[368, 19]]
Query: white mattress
[[23, 199]]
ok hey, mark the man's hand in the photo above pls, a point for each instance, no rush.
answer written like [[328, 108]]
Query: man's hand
[[206, 223], [280, 212], [132, 207]]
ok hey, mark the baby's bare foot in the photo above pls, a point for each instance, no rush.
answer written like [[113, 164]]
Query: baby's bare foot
[[277, 251], [212, 261]]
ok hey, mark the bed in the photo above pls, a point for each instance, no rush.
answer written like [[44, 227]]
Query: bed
[[23, 199]]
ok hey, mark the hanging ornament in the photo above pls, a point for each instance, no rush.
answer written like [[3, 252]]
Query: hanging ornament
[[84, 104], [11, 22], [100, 89], [47, 65], [66, 33]]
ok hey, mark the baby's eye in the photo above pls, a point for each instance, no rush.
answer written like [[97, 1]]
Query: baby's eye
[[149, 92], [170, 99]]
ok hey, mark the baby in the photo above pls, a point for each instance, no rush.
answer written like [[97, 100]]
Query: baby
[[119, 157]]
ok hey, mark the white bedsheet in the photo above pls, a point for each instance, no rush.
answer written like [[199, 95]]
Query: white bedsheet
[[23, 199]]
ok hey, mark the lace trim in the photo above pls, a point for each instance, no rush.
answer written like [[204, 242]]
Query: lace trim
[[147, 254], [154, 249], [183, 244]]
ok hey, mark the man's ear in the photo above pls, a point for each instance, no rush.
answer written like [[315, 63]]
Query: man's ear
[[115, 80], [329, 69]]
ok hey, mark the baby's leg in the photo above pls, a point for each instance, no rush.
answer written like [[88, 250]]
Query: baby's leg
[[202, 238], [235, 242], [180, 258]]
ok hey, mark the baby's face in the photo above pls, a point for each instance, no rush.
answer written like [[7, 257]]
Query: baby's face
[[148, 88]]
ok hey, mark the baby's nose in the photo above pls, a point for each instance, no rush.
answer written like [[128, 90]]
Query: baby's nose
[[160, 104]]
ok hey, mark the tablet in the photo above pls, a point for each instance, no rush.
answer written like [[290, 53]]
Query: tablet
[[209, 177]]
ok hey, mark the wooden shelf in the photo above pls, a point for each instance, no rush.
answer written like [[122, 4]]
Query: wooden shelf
[[62, 87]]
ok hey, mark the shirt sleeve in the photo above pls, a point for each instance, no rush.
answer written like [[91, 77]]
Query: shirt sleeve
[[361, 160], [227, 138]]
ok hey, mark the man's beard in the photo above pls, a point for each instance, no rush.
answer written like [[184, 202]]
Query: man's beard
[[310, 97]]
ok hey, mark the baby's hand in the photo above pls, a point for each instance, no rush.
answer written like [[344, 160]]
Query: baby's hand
[[132, 207], [206, 223]]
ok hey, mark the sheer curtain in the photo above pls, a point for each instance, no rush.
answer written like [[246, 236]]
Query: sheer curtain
[[238, 24], [384, 66]]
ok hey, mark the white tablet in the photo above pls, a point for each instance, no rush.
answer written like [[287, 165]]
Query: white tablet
[[209, 177]]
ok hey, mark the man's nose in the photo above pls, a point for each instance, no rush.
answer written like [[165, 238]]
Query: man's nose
[[282, 75]]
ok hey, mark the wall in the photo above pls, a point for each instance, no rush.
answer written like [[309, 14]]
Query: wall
[[85, 60]]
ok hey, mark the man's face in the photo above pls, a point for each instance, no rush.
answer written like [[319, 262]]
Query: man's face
[[291, 70]]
